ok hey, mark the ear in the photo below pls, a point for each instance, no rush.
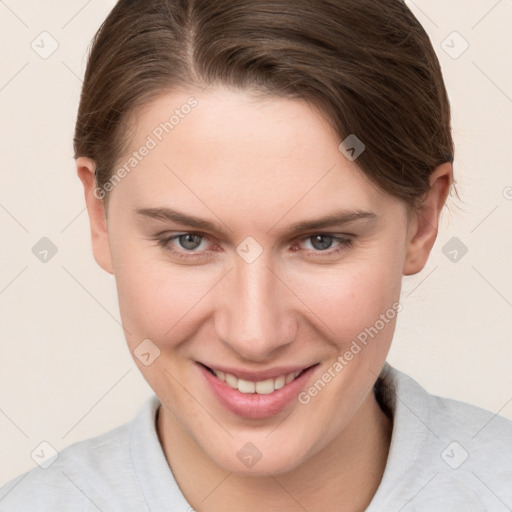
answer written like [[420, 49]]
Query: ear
[[424, 223], [97, 215]]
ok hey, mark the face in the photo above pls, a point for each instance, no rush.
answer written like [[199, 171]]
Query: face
[[249, 253]]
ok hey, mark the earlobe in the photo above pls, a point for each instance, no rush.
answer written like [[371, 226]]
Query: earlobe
[[97, 216], [424, 223]]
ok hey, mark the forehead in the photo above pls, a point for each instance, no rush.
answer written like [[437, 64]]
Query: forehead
[[242, 153], [235, 125]]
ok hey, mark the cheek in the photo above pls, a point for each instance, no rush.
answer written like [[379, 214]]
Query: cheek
[[157, 299], [156, 302], [163, 305], [346, 301]]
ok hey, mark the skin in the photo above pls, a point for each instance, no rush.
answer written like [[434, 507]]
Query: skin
[[255, 167]]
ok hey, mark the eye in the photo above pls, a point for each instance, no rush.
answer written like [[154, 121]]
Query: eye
[[188, 245], [189, 241], [323, 241]]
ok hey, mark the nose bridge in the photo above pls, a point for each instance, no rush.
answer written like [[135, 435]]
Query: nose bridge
[[256, 317]]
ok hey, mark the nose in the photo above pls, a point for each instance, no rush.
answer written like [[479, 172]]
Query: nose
[[254, 312]]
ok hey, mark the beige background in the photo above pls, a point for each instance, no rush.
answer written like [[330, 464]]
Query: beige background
[[65, 372]]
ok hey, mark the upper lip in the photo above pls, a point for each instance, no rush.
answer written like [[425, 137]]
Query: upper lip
[[256, 376]]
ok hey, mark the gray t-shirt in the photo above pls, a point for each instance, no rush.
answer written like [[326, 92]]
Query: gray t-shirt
[[445, 455]]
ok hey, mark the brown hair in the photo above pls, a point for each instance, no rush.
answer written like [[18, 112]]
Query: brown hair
[[367, 65]]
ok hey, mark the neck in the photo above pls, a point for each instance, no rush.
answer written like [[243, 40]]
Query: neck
[[348, 470]]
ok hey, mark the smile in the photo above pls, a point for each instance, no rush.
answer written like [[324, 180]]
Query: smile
[[256, 395], [261, 387]]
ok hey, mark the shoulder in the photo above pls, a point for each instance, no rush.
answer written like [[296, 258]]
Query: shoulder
[[444, 452], [82, 477], [488, 434], [490, 429], [476, 446]]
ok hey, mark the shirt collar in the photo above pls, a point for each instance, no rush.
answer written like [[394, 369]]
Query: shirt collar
[[408, 404]]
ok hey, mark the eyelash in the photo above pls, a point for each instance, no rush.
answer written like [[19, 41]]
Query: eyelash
[[344, 243]]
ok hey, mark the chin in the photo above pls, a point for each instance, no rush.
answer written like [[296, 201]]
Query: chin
[[249, 460]]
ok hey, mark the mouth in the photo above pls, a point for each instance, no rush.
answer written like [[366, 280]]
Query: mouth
[[260, 387], [256, 395]]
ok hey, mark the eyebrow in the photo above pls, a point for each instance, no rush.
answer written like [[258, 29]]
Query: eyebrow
[[334, 219]]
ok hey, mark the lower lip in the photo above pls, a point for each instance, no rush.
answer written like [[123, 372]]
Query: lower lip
[[254, 405]]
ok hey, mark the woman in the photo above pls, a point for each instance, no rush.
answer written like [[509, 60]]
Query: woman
[[259, 175]]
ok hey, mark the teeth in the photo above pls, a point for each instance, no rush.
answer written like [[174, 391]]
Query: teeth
[[289, 378], [244, 386], [263, 387], [231, 380], [279, 382]]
